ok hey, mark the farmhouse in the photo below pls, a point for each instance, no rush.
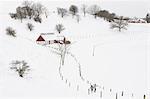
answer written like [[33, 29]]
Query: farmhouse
[[136, 20], [51, 38]]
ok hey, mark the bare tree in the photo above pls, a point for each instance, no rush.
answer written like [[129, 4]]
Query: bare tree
[[10, 31], [35, 9], [46, 12], [73, 10], [30, 26], [84, 9], [62, 52], [93, 10], [20, 67], [59, 28], [28, 6], [21, 14], [119, 24], [62, 12], [63, 49], [38, 9]]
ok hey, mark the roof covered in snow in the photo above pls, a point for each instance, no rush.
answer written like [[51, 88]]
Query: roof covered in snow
[[51, 36]]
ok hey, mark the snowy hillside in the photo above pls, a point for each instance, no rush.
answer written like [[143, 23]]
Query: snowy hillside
[[117, 62]]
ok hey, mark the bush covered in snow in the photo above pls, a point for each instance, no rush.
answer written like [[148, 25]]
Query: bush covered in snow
[[59, 28], [20, 67], [119, 24], [10, 31], [93, 10]]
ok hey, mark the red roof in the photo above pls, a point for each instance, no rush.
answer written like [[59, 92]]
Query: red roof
[[40, 38]]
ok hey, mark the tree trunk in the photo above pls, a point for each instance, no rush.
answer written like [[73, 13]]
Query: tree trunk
[[84, 14], [62, 15], [93, 51], [95, 16], [119, 29], [20, 74], [122, 93], [21, 20]]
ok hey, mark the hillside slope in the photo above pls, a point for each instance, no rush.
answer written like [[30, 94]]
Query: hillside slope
[[120, 61]]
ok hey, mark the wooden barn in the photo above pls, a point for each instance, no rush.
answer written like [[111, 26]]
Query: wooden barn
[[51, 38]]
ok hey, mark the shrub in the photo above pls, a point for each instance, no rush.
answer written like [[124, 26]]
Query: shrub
[[59, 28], [10, 31], [62, 12], [30, 26], [20, 67]]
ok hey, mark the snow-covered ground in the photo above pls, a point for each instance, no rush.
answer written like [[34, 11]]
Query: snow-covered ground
[[121, 59]]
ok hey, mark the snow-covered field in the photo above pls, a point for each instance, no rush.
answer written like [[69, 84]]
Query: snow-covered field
[[121, 60]]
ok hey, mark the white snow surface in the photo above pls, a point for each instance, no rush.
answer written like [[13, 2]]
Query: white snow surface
[[121, 60]]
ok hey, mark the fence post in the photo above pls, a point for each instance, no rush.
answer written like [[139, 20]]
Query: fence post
[[116, 96], [144, 97], [122, 93], [101, 94]]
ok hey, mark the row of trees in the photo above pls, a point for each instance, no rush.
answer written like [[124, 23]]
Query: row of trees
[[73, 10], [116, 22], [94, 10], [30, 10]]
